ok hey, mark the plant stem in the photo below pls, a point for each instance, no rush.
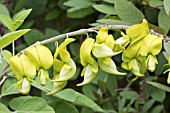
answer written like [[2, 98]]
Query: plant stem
[[74, 33]]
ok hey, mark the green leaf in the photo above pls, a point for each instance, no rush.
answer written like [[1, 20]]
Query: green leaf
[[34, 105], [16, 102], [157, 94], [37, 6], [157, 109], [148, 105], [21, 16], [19, 5], [88, 91], [112, 85], [6, 20], [113, 22], [167, 47], [4, 10], [131, 95], [33, 36], [62, 107], [4, 109], [85, 101], [155, 3], [110, 1], [167, 6], [6, 55], [52, 15], [81, 13], [163, 19], [74, 3], [18, 20], [12, 36], [161, 64], [128, 12], [67, 94], [160, 86], [106, 9], [8, 87]]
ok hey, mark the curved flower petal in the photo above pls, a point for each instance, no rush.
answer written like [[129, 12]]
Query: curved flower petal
[[66, 42], [68, 71], [28, 67], [26, 86], [43, 76], [57, 86], [138, 31], [45, 56], [110, 41], [136, 68], [109, 68], [16, 66], [64, 55], [156, 46], [85, 52], [151, 63], [101, 50], [33, 55], [89, 74], [57, 65], [168, 80], [102, 35]]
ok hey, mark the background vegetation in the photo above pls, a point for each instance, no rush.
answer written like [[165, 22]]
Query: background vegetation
[[114, 94]]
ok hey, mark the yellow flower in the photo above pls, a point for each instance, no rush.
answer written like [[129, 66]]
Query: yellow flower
[[42, 58], [24, 71]]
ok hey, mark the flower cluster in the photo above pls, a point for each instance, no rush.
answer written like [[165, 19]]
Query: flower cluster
[[138, 47], [142, 47]]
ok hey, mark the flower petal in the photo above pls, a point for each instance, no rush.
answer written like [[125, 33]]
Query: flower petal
[[16, 66], [28, 67], [89, 75], [102, 35], [138, 31], [111, 68], [85, 52], [67, 71], [101, 50], [45, 56]]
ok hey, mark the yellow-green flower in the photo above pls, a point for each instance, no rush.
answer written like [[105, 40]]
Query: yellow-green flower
[[42, 58], [65, 66], [24, 70], [151, 46], [90, 65]]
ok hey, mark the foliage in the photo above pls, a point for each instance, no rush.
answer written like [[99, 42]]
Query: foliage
[[125, 69]]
